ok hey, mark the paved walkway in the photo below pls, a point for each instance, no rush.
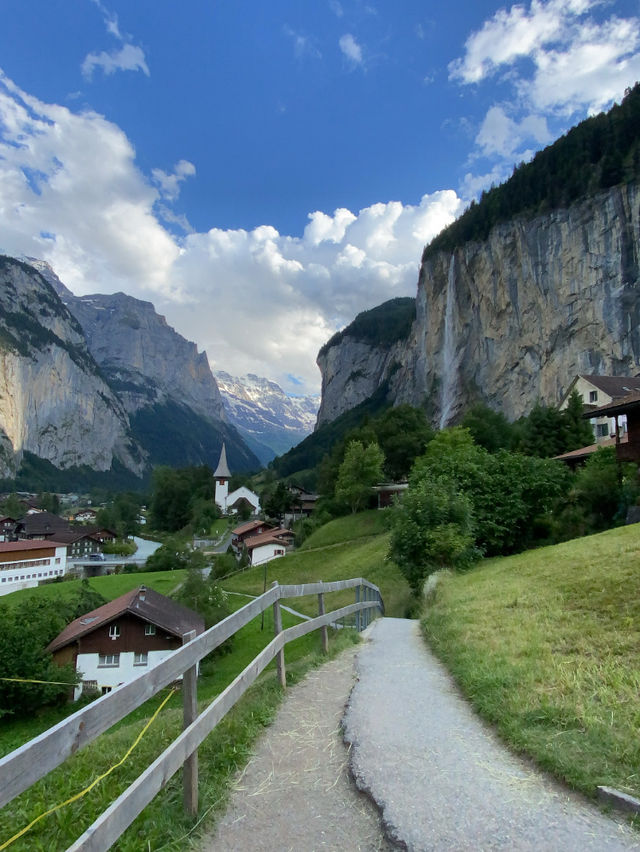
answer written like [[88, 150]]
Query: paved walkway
[[441, 778], [296, 794]]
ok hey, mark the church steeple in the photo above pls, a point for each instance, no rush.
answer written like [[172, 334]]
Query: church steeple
[[221, 477], [222, 471]]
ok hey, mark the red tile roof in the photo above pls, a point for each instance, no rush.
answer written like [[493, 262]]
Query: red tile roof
[[250, 525], [268, 536], [148, 604], [38, 544]]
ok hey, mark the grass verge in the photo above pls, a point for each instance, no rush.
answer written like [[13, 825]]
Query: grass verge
[[163, 825], [545, 644]]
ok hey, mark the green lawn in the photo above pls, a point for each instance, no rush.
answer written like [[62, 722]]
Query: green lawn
[[354, 546], [546, 645]]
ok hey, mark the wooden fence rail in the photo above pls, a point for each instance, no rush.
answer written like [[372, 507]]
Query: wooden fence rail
[[26, 765]]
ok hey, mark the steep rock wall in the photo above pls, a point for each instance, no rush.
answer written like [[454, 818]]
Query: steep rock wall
[[53, 400]]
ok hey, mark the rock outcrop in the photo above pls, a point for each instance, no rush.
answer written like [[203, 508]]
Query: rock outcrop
[[55, 403], [512, 319]]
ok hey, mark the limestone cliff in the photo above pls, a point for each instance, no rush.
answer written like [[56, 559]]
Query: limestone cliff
[[511, 319], [54, 402], [359, 359]]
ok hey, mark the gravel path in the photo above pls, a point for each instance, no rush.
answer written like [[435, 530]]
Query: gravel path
[[442, 780], [296, 793]]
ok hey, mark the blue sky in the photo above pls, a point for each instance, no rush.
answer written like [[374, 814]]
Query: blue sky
[[262, 172]]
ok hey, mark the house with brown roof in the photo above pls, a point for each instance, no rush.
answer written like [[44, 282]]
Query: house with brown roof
[[121, 639], [269, 545], [628, 408], [240, 534], [26, 564]]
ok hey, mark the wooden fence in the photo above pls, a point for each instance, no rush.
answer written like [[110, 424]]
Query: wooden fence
[[26, 765]]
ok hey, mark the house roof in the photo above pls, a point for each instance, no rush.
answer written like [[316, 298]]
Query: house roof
[[615, 386], [618, 406], [147, 604], [222, 470], [583, 452], [268, 536], [250, 525], [11, 546], [71, 535], [42, 523]]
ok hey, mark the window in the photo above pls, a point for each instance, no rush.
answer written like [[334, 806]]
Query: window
[[603, 430], [149, 630], [140, 659], [593, 396], [106, 689], [114, 631], [108, 660]]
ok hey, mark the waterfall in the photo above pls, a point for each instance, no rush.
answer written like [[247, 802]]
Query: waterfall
[[449, 367]]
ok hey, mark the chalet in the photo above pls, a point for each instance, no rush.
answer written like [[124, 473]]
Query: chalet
[[40, 525], [268, 545], [117, 641], [597, 392], [629, 408], [240, 534], [234, 501], [7, 528], [388, 492], [304, 502], [80, 543], [26, 564]]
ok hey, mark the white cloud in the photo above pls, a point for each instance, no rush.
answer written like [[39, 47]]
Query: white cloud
[[502, 135], [128, 57], [258, 301], [574, 61], [351, 49], [336, 8], [170, 183]]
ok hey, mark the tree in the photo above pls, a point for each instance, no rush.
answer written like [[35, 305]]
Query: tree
[[49, 502], [204, 596], [177, 496], [490, 429], [276, 501], [12, 507], [432, 529], [360, 470], [543, 432], [403, 434], [173, 555], [577, 431], [25, 631]]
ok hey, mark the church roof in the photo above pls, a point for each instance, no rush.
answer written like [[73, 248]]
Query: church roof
[[222, 471]]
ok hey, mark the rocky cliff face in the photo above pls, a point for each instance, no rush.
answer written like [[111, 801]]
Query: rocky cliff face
[[270, 421], [143, 358], [54, 402], [514, 318]]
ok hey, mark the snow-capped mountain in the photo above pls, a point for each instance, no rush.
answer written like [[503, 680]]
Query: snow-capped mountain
[[270, 421]]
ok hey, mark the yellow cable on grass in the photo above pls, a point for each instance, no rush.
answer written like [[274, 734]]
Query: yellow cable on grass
[[94, 782], [30, 680]]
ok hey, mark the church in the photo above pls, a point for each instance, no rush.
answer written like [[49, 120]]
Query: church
[[231, 503]]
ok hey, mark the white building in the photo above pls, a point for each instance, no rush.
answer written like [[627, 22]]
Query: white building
[[230, 503], [25, 564]]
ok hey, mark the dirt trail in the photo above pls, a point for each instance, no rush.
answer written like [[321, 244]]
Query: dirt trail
[[296, 792]]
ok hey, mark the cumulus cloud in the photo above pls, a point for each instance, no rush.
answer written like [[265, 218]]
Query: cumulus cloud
[[257, 301], [128, 57], [351, 49], [504, 136]]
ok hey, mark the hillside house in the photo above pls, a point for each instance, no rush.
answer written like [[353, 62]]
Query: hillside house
[[7, 528], [629, 408], [268, 545], [599, 391], [40, 525], [121, 639], [85, 516], [252, 528], [26, 564]]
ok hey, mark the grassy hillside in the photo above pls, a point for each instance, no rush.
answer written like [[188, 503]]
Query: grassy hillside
[[545, 644], [348, 547], [353, 546]]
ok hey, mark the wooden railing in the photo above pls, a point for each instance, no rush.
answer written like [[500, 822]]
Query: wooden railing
[[26, 765]]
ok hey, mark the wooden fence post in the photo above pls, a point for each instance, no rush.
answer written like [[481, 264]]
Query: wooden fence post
[[189, 714], [277, 628], [323, 630]]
